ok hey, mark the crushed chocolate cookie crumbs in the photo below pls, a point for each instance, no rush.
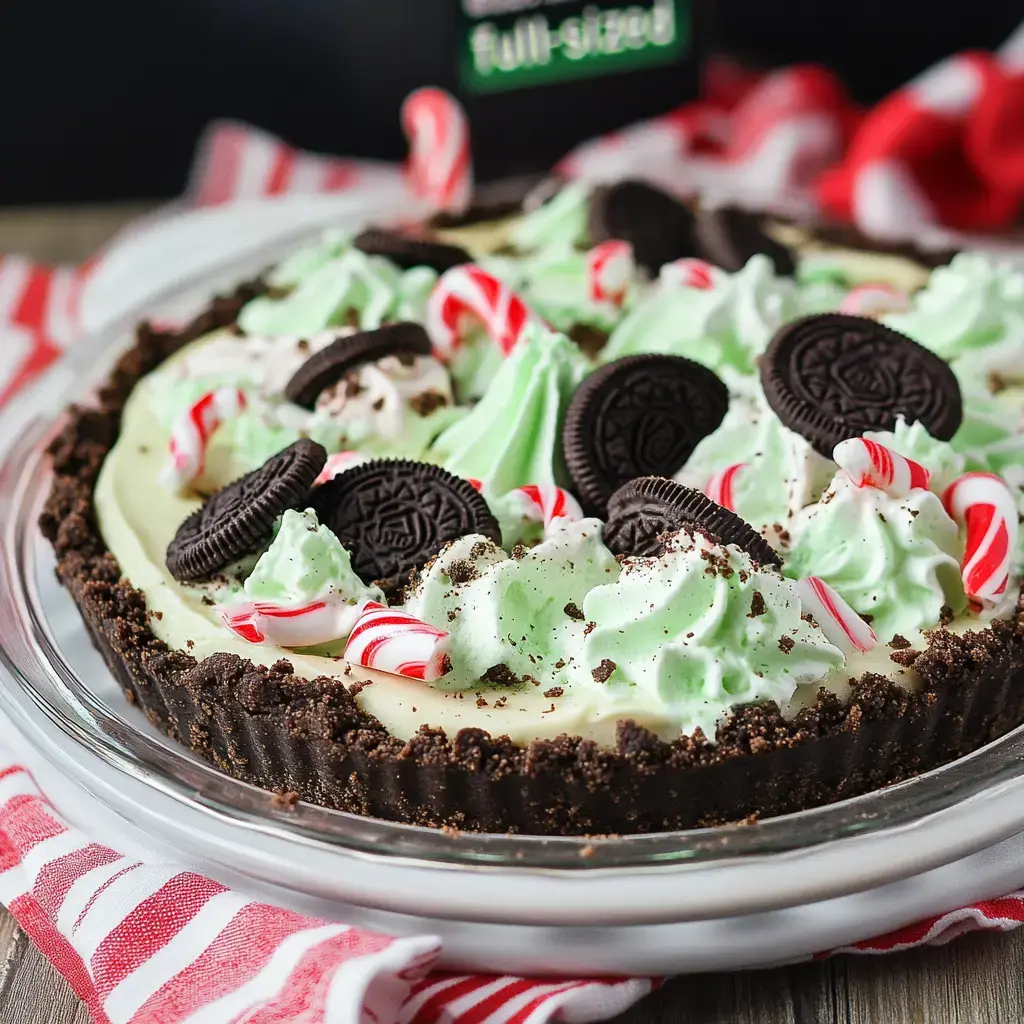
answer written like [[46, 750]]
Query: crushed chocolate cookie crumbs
[[359, 685], [286, 799], [757, 605], [906, 658], [481, 702], [946, 615], [500, 675], [573, 611], [378, 404], [427, 402], [555, 691], [462, 571], [452, 615], [352, 385], [899, 643], [560, 663], [519, 552], [603, 671], [501, 702], [589, 628], [786, 644]]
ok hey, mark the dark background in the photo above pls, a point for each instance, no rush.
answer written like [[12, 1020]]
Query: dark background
[[105, 100]]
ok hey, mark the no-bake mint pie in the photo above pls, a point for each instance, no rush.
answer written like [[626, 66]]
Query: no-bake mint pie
[[612, 516]]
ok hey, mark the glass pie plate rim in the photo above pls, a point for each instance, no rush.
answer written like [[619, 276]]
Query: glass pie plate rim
[[39, 669]]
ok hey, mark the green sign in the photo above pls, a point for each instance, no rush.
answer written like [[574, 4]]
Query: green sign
[[513, 44]]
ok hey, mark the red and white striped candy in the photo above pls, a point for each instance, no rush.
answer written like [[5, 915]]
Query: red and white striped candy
[[875, 300], [842, 626], [983, 504], [191, 433], [544, 503], [477, 485], [391, 641], [340, 462], [720, 488], [467, 295], [610, 269], [870, 464], [689, 273], [439, 168], [295, 625]]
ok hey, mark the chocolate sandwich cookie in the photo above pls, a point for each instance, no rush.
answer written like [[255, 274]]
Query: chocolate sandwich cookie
[[728, 237], [407, 252], [394, 515], [330, 364], [831, 377], [239, 519], [659, 227], [643, 511], [638, 416]]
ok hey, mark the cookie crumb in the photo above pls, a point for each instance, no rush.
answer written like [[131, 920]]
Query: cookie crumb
[[603, 671], [757, 605], [573, 611], [786, 644]]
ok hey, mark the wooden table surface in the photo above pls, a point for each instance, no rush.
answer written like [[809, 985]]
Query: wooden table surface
[[974, 980]]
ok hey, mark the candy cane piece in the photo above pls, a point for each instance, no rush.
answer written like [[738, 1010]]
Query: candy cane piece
[[544, 503], [842, 626], [389, 640], [689, 273], [875, 299], [610, 269], [439, 168], [191, 433], [721, 487], [870, 464], [340, 462], [477, 485], [468, 294], [983, 504], [292, 625]]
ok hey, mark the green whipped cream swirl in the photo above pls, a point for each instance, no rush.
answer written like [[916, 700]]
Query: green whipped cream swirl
[[513, 436], [305, 561], [349, 288], [725, 326], [972, 314], [896, 560], [678, 639], [561, 221], [702, 629]]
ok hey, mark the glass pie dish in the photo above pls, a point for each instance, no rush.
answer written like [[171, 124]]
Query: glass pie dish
[[56, 676]]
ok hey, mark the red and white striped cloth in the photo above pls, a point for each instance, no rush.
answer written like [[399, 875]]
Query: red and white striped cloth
[[152, 944]]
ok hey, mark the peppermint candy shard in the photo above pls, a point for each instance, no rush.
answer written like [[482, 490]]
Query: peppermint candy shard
[[983, 505], [842, 626], [546, 503], [319, 621], [439, 168], [191, 434], [469, 294], [870, 464], [721, 487], [391, 641]]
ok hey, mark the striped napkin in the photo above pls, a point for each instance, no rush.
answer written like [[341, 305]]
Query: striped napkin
[[151, 944]]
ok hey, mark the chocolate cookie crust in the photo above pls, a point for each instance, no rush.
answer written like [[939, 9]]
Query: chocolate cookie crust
[[268, 727]]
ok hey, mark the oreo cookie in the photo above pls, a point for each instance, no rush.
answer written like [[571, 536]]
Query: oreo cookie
[[659, 227], [638, 416], [643, 511], [728, 237], [239, 519], [330, 364], [394, 515], [407, 252], [832, 376]]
